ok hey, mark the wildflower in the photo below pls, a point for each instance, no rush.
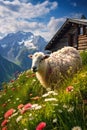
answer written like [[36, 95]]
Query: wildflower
[[69, 89], [9, 113], [38, 107], [40, 126], [50, 99], [15, 114], [4, 105], [20, 106], [33, 75], [17, 99], [27, 106], [4, 123], [23, 111], [76, 128], [52, 92], [55, 120], [34, 105], [65, 106], [70, 109], [13, 89], [4, 128], [60, 111], [9, 100], [35, 98], [45, 95], [12, 81], [85, 101], [19, 118]]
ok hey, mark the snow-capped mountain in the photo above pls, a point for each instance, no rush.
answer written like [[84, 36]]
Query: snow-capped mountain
[[16, 47]]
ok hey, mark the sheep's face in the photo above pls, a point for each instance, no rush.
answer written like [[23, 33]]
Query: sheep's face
[[37, 61]]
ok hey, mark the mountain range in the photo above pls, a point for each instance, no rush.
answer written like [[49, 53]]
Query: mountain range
[[15, 47], [8, 70]]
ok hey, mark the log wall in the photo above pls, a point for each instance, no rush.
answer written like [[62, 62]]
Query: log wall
[[82, 42]]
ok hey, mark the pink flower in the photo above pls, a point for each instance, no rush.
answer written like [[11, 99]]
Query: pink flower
[[69, 89], [4, 128], [3, 105], [13, 89], [9, 113], [35, 98], [4, 122], [40, 126], [12, 81], [23, 111], [20, 106], [27, 106]]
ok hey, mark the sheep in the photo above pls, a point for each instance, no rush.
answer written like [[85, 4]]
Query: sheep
[[51, 70]]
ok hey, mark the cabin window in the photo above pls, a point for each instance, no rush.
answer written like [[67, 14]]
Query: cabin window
[[81, 30]]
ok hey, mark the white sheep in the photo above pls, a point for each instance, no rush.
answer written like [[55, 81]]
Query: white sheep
[[52, 69]]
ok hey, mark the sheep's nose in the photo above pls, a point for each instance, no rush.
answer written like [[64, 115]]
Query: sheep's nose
[[34, 69]]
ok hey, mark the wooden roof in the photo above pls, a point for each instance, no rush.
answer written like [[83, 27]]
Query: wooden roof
[[63, 29]]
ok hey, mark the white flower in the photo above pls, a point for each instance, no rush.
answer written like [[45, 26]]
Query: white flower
[[25, 129], [70, 109], [38, 107], [55, 120], [34, 105], [55, 104], [50, 99], [52, 92], [65, 106], [19, 118], [14, 114], [60, 111], [9, 100], [0, 96], [17, 99], [45, 95], [77, 128]]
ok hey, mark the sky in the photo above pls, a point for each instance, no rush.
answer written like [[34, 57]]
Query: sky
[[41, 17]]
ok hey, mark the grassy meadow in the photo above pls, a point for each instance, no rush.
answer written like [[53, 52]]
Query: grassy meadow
[[26, 105]]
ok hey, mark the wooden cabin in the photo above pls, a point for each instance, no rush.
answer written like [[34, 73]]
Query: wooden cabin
[[72, 33]]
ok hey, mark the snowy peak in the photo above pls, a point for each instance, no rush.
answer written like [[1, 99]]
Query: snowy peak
[[16, 46]]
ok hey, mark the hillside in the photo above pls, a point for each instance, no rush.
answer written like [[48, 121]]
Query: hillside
[[7, 69], [26, 105]]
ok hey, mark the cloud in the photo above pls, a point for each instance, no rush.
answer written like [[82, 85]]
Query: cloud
[[16, 15], [74, 4]]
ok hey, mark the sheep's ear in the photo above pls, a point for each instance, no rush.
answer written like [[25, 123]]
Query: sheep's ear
[[46, 56], [30, 56]]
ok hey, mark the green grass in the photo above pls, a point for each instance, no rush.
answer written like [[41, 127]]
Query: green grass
[[61, 110]]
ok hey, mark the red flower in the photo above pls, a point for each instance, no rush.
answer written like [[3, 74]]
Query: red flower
[[12, 81], [27, 106], [20, 106], [69, 89], [8, 113], [4, 128], [4, 122], [40, 126]]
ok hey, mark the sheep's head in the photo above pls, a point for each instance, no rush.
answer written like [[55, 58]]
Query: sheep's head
[[37, 60]]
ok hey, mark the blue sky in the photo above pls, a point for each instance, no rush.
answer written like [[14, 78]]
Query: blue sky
[[41, 17]]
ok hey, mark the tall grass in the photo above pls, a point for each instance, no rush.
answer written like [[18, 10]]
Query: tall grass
[[60, 110]]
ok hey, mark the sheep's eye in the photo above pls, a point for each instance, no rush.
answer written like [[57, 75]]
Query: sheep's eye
[[41, 60]]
